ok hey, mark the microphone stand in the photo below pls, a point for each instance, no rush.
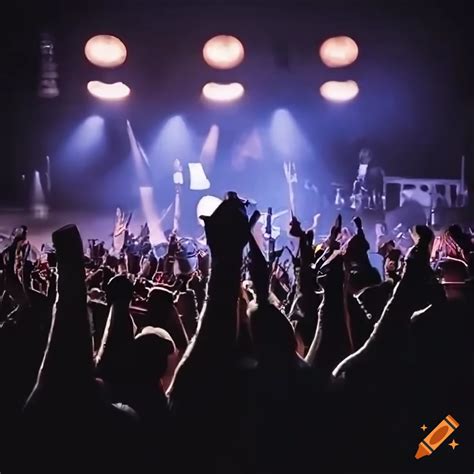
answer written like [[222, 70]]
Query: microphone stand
[[271, 240]]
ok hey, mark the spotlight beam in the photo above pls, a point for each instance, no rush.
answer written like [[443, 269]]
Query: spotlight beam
[[209, 148], [147, 198]]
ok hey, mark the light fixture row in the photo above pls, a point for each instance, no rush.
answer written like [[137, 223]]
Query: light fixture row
[[220, 52]]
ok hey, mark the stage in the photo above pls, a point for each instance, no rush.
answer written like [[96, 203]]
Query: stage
[[92, 225]]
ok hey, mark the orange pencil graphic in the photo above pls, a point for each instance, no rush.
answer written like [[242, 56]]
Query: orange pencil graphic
[[436, 437]]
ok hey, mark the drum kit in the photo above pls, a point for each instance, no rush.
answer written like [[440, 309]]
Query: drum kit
[[180, 255], [360, 197]]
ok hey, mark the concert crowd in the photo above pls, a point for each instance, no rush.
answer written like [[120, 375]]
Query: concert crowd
[[233, 357]]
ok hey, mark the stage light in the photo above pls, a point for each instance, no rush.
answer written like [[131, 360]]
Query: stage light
[[339, 91], [223, 92], [287, 138], [87, 140], [151, 214], [223, 52], [209, 148], [38, 205], [174, 141], [104, 91], [249, 147], [105, 51], [339, 51], [88, 134], [206, 207], [139, 157]]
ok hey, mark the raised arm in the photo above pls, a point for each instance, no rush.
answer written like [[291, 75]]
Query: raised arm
[[115, 350], [386, 343], [227, 232], [67, 362], [331, 340], [305, 283]]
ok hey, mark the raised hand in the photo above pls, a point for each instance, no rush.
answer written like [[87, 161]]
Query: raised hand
[[227, 230], [357, 222], [331, 273], [335, 232], [357, 246], [295, 228], [417, 261], [290, 172]]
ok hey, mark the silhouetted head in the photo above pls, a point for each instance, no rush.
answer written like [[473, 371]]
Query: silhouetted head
[[160, 299], [111, 261], [455, 231], [160, 306], [361, 277], [272, 334], [152, 348], [119, 288], [94, 279], [19, 233]]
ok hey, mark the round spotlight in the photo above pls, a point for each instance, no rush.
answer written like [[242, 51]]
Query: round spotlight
[[206, 207], [223, 52], [339, 51], [339, 91], [223, 92], [103, 91], [105, 51]]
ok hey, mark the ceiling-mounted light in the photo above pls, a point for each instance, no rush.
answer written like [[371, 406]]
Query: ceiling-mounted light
[[336, 91], [223, 92], [339, 51], [104, 91], [105, 51], [223, 52]]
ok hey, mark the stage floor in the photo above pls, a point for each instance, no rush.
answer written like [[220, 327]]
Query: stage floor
[[92, 225]]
